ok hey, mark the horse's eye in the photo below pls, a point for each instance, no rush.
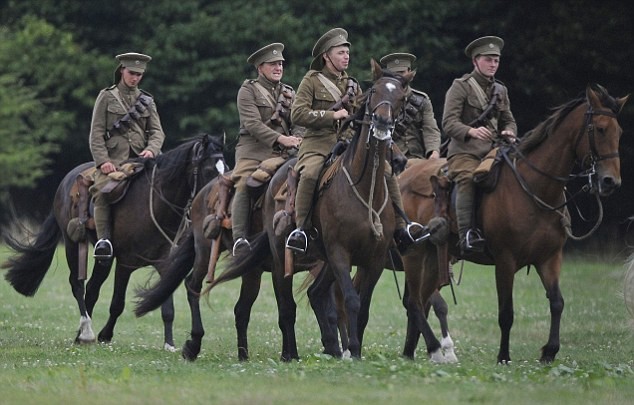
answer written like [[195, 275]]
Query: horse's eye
[[601, 130]]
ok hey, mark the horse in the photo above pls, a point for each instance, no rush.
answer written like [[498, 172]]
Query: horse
[[354, 222], [524, 218], [147, 223]]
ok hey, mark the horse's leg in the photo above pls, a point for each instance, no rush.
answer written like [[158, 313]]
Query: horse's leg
[[365, 281], [249, 291], [193, 285], [549, 274], [117, 304], [167, 315], [438, 303], [287, 312], [422, 284], [504, 279], [339, 264], [321, 300], [342, 319], [85, 334], [413, 333], [100, 273]]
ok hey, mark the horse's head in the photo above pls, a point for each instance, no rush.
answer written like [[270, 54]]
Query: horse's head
[[385, 100], [207, 158], [598, 145]]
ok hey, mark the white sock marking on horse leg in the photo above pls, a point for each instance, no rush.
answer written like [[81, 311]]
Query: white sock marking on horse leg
[[437, 357], [86, 334], [447, 347]]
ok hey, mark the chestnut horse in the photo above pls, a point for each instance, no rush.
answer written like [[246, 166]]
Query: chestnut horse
[[146, 224], [524, 218]]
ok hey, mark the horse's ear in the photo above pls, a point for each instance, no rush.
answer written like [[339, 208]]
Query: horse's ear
[[377, 71], [621, 102], [409, 76], [592, 97]]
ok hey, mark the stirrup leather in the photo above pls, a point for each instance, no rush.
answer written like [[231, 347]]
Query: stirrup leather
[[297, 235]]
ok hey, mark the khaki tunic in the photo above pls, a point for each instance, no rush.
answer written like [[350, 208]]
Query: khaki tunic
[[311, 110], [258, 135], [146, 133], [462, 107], [421, 135]]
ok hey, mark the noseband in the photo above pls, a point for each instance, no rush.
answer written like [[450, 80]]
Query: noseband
[[378, 129]]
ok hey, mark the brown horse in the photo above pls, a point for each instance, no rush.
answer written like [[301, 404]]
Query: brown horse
[[524, 219], [146, 223]]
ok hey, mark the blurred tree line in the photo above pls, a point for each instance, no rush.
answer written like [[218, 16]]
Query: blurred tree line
[[56, 55]]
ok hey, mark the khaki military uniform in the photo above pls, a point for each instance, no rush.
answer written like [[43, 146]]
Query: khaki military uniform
[[311, 110], [418, 135], [146, 133], [257, 101], [462, 106]]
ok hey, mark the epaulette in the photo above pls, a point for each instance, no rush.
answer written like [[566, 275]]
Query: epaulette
[[110, 87], [146, 93], [420, 93], [286, 87], [500, 81]]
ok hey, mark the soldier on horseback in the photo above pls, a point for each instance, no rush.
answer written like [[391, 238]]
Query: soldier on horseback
[[477, 114], [125, 123]]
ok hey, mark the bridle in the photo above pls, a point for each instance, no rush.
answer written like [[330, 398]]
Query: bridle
[[199, 155], [588, 163]]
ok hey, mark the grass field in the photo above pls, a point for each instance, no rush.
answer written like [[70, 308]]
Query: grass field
[[40, 364]]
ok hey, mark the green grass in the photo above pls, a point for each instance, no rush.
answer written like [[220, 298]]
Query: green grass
[[40, 364]]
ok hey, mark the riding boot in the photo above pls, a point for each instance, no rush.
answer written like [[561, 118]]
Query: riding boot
[[240, 212], [297, 240], [470, 238], [103, 247], [405, 234]]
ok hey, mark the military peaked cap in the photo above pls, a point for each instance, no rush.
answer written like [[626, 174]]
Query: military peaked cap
[[136, 62], [485, 46], [270, 53], [398, 62], [334, 37]]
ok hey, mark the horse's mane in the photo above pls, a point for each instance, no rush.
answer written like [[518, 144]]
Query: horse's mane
[[537, 135], [171, 163]]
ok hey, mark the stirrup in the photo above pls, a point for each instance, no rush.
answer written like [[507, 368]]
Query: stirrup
[[473, 240], [298, 236], [421, 231], [239, 244], [103, 249]]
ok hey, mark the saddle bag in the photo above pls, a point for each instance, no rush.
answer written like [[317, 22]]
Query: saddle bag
[[486, 175], [119, 182], [258, 180]]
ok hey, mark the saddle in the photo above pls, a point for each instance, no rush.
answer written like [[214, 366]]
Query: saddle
[[80, 207], [486, 174]]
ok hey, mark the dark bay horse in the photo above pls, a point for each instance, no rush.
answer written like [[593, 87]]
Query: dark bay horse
[[524, 219], [190, 262], [354, 220], [146, 224]]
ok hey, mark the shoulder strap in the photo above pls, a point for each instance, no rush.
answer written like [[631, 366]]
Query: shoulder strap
[[115, 93], [330, 86], [482, 97], [265, 93]]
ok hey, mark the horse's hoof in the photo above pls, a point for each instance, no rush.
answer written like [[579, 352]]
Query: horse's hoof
[[437, 357], [170, 348], [190, 351], [346, 355], [450, 357]]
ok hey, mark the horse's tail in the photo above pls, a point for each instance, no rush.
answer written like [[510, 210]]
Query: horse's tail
[[27, 268], [244, 263], [173, 271]]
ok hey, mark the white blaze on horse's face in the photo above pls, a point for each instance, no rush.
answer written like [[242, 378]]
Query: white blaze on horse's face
[[390, 87], [220, 166]]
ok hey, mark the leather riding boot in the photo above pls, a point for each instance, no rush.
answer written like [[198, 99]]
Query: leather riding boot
[[103, 247], [240, 211], [405, 235], [470, 238], [297, 240]]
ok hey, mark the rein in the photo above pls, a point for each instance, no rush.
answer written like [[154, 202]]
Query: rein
[[198, 151], [380, 134]]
